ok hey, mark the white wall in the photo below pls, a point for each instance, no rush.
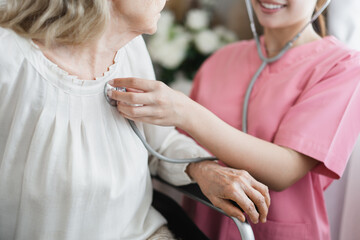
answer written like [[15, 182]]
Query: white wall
[[343, 196]]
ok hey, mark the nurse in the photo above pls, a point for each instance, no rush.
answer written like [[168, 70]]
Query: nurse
[[303, 117]]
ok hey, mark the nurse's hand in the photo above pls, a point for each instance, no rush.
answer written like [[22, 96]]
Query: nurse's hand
[[222, 184], [151, 102]]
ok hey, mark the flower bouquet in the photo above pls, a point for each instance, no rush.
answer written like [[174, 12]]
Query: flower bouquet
[[179, 48]]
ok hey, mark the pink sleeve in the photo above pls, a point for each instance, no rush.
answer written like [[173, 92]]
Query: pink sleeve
[[195, 86], [324, 123]]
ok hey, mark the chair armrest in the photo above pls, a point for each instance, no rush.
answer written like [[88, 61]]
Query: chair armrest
[[193, 191]]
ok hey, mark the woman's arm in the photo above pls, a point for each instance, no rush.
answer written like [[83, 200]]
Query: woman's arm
[[277, 167]]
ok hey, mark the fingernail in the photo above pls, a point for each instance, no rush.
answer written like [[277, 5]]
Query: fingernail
[[111, 82], [109, 93]]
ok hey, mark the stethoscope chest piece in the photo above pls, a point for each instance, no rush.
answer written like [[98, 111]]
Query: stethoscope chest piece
[[107, 88]]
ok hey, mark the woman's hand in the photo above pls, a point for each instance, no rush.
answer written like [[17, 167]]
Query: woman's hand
[[221, 185], [150, 101]]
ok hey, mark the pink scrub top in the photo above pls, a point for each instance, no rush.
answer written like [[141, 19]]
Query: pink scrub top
[[309, 101]]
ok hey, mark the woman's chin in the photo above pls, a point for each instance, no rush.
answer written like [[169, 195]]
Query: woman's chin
[[153, 28], [148, 31], [152, 31]]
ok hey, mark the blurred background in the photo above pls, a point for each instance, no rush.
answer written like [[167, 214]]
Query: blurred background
[[189, 31]]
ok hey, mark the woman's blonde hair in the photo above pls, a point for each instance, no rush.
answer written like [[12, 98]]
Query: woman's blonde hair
[[69, 22]]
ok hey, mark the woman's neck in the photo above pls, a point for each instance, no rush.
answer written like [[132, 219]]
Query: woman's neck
[[275, 39], [92, 59]]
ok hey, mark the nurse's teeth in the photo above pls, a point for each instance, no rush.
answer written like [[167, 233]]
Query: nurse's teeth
[[271, 6]]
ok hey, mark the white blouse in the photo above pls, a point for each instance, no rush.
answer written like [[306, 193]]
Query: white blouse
[[70, 166]]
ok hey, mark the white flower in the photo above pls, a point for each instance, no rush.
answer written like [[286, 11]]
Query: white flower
[[170, 53], [154, 44], [165, 22], [197, 19], [207, 42], [225, 34], [174, 53]]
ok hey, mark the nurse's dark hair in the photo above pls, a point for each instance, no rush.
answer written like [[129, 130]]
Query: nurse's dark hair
[[320, 23], [68, 22]]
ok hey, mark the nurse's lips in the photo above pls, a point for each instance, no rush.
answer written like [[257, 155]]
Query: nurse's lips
[[272, 6]]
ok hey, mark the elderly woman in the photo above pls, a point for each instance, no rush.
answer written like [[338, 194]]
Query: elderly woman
[[70, 165]]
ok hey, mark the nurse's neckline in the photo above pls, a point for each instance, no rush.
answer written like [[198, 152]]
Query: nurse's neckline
[[273, 52]]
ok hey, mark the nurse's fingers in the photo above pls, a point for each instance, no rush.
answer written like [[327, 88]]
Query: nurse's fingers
[[133, 112], [141, 113], [137, 83], [131, 97]]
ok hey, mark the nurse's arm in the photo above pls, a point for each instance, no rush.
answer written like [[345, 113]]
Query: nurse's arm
[[277, 167]]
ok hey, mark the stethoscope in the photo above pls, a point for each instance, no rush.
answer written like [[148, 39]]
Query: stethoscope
[[265, 60], [113, 103], [264, 63]]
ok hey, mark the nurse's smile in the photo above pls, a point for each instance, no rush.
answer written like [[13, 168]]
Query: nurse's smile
[[271, 6]]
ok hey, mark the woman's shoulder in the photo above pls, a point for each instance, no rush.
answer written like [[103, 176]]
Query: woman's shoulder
[[9, 49], [6, 38], [137, 48], [3, 32], [139, 58], [136, 45]]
